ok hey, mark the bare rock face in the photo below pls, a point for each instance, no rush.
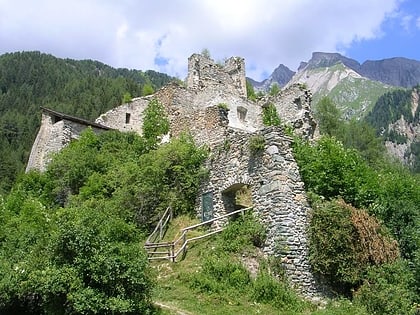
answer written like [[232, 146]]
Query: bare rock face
[[409, 130]]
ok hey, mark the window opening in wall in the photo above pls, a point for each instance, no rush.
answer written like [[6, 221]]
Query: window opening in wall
[[207, 206], [127, 118], [242, 113]]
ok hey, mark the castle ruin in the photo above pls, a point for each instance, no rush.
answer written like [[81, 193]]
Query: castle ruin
[[272, 175]]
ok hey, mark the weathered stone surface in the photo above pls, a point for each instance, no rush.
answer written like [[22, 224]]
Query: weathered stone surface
[[280, 204]]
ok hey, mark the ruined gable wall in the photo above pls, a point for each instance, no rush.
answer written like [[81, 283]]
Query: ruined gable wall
[[278, 197], [51, 138], [293, 106], [127, 117]]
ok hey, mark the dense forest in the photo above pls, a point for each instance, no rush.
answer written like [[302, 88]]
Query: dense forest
[[85, 89]]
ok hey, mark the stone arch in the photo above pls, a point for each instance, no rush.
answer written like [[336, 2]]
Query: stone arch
[[243, 179]]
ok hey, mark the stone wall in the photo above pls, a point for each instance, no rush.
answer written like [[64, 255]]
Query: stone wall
[[56, 131], [127, 117], [278, 196], [203, 72], [293, 105]]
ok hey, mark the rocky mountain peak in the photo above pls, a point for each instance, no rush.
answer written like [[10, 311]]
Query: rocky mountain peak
[[322, 60], [396, 71]]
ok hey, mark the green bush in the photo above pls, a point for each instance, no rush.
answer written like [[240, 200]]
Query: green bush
[[155, 123], [220, 274], [270, 116], [223, 106], [250, 92], [267, 289], [274, 89], [256, 144], [242, 234], [389, 290], [344, 242], [330, 170]]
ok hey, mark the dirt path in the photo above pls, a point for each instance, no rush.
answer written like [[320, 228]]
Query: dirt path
[[175, 309]]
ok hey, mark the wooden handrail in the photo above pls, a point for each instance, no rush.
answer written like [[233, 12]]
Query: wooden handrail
[[171, 253], [215, 219], [167, 215]]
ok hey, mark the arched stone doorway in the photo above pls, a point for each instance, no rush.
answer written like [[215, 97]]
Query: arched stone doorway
[[237, 196]]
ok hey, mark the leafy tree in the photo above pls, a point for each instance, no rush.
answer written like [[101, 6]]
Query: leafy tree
[[330, 170], [270, 116], [147, 89], [155, 122], [328, 116], [274, 89], [126, 98], [361, 136]]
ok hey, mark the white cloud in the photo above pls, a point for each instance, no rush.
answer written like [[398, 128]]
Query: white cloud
[[406, 22], [418, 22], [133, 34]]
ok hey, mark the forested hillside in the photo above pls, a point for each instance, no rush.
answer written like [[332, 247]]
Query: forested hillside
[[396, 117], [84, 89]]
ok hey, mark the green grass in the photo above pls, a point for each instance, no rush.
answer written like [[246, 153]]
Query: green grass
[[211, 279]]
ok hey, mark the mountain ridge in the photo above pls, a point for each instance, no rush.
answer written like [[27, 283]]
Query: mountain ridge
[[395, 71]]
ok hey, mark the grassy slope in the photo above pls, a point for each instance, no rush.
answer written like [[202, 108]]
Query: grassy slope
[[175, 295], [354, 96]]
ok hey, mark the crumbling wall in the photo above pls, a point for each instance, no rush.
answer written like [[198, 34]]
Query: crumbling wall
[[293, 105], [278, 196], [203, 72], [56, 131]]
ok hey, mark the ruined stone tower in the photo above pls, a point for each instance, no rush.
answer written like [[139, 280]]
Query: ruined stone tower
[[203, 72]]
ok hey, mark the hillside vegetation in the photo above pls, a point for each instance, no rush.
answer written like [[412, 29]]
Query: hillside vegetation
[[29, 80]]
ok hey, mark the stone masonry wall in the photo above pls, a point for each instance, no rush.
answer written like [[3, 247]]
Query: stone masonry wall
[[52, 137], [203, 72], [278, 196], [293, 106]]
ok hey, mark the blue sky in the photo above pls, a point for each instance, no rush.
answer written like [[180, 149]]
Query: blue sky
[[400, 36], [162, 34]]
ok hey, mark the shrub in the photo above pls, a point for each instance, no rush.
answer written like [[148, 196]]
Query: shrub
[[330, 170], [223, 106], [388, 290], [344, 242], [256, 144], [270, 116], [250, 92], [242, 234], [267, 289], [220, 274], [274, 89]]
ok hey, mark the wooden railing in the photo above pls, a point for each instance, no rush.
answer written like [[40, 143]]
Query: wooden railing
[[171, 250], [161, 227]]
